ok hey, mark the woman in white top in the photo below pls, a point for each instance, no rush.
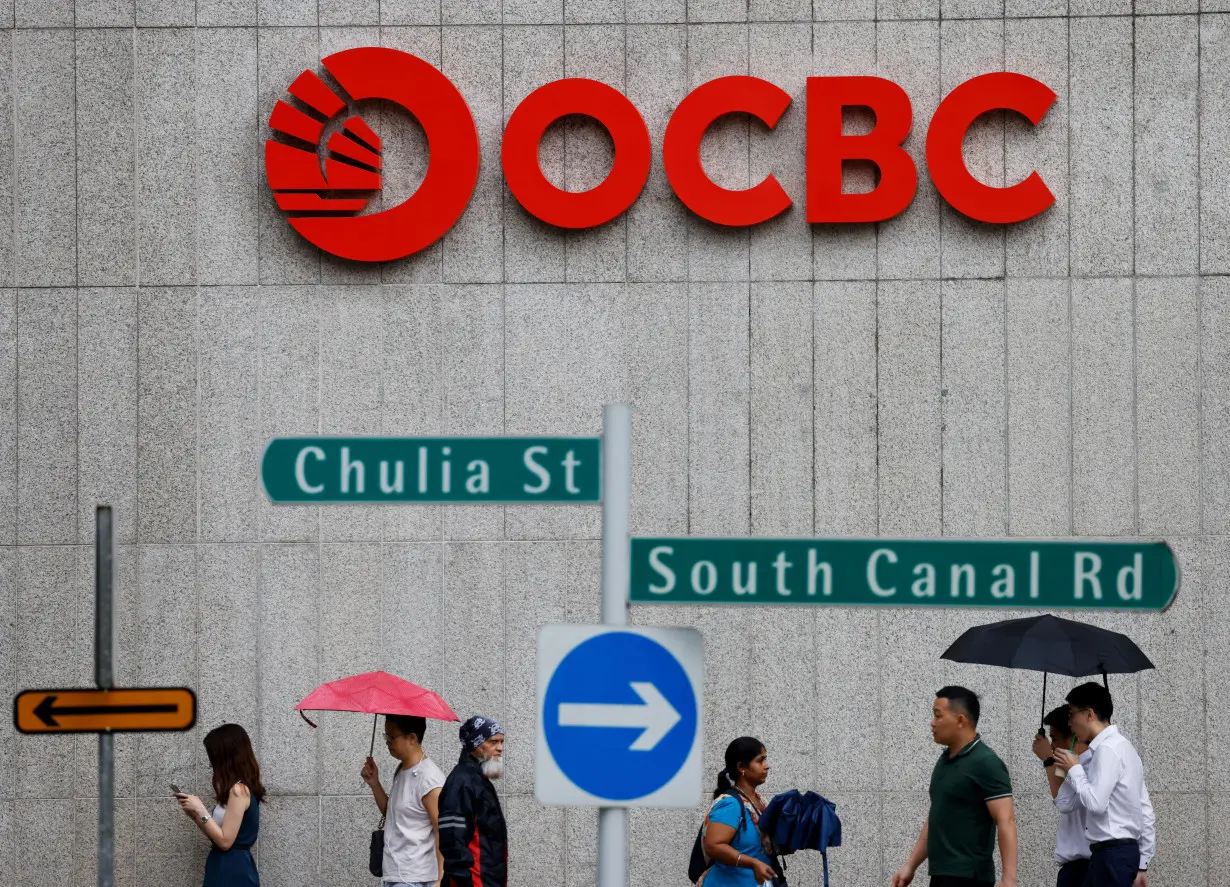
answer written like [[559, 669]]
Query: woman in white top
[[410, 807]]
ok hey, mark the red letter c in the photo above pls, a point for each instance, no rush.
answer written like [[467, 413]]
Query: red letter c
[[576, 209], [681, 150], [988, 92]]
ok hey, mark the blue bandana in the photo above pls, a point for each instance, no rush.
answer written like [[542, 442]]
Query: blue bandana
[[478, 730]]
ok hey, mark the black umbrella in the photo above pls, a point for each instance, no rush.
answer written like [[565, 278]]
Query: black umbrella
[[1050, 645]]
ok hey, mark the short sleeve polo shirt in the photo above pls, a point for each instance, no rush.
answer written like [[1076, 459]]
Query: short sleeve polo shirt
[[960, 830]]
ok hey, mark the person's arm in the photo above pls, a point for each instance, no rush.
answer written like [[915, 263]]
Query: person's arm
[[455, 824], [1053, 780], [724, 821], [1066, 800], [1002, 812], [1093, 792], [917, 857], [431, 802], [1148, 833], [222, 836], [371, 775]]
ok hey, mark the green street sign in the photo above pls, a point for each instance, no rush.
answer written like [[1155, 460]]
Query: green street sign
[[1070, 574], [432, 469]]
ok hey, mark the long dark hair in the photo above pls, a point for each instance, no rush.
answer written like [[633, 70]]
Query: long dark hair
[[743, 751], [231, 756]]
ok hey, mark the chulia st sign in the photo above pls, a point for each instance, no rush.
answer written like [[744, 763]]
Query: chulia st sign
[[432, 469], [1090, 574]]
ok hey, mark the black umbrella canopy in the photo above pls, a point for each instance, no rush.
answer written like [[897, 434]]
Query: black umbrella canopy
[[1049, 644]]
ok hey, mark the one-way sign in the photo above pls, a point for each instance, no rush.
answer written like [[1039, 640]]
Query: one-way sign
[[105, 711], [619, 715]]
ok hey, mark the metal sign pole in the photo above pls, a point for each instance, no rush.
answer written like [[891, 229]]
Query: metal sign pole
[[616, 506], [104, 677]]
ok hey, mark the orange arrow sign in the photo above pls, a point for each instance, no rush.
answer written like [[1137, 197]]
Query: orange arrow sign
[[104, 711]]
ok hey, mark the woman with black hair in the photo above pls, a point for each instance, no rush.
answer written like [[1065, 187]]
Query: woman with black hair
[[235, 822], [741, 856]]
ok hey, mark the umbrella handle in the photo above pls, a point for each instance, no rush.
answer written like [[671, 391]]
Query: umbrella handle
[[305, 717], [1042, 724]]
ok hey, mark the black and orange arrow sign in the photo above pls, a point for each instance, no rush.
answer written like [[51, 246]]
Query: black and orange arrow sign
[[105, 711]]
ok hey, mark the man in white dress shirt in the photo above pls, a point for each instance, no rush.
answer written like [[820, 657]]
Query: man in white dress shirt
[[1107, 783], [1071, 845]]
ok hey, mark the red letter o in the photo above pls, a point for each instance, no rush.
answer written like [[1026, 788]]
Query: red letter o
[[576, 209], [988, 92], [681, 150]]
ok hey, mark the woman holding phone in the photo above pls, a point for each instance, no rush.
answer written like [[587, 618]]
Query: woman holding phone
[[235, 821]]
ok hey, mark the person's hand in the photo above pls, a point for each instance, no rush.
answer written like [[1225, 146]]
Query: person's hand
[[763, 871], [1006, 882], [192, 806], [903, 877], [371, 773], [1042, 748], [1066, 759], [1142, 880]]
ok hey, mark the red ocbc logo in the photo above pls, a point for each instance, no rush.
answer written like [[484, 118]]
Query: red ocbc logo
[[323, 203], [353, 163]]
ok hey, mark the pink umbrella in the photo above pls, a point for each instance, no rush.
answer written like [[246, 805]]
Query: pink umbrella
[[376, 693]]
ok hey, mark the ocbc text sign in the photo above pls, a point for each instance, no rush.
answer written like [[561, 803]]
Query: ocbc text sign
[[323, 204]]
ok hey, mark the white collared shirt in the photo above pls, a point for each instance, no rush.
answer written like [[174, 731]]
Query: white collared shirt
[[1070, 841], [1109, 786]]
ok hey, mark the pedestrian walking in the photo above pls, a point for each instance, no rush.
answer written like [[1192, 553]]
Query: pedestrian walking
[[1108, 784], [473, 836], [735, 851], [411, 806], [971, 800], [235, 822], [1071, 845]]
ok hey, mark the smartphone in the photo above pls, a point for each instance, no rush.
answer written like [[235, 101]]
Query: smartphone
[[176, 790]]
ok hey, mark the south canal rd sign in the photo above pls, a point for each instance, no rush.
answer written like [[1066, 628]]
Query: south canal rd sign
[[1084, 574], [432, 469], [105, 711], [619, 715]]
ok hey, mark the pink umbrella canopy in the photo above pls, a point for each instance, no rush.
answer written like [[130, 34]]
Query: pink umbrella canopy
[[376, 692]]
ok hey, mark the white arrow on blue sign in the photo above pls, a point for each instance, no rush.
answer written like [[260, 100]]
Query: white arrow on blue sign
[[619, 716]]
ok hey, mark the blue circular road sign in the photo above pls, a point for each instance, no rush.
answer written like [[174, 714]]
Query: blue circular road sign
[[619, 716]]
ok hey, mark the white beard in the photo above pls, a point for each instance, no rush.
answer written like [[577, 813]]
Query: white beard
[[493, 768]]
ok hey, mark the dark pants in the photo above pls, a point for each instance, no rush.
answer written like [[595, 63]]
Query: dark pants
[[950, 881], [1114, 866], [1072, 874]]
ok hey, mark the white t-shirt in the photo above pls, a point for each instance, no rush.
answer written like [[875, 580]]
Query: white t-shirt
[[409, 847]]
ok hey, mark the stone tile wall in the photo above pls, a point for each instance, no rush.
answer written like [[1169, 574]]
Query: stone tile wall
[[160, 321]]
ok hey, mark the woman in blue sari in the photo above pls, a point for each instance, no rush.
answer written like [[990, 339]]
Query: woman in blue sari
[[732, 838]]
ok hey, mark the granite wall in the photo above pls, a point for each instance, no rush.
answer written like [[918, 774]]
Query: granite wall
[[160, 321]]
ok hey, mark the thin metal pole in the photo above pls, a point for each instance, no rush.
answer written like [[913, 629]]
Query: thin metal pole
[[372, 751], [616, 508], [104, 676], [1042, 724]]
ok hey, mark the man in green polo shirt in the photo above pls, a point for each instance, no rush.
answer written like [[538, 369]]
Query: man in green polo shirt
[[971, 796]]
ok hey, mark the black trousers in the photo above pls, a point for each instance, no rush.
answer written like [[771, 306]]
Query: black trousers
[[1113, 866], [1072, 874], [950, 881]]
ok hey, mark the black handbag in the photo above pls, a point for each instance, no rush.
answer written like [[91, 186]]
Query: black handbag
[[375, 861]]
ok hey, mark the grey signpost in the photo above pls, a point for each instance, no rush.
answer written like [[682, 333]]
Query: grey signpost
[[616, 509], [104, 677]]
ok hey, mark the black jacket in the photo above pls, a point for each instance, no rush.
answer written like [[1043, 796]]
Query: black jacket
[[473, 839]]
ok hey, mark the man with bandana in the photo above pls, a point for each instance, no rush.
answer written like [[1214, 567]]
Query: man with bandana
[[473, 838]]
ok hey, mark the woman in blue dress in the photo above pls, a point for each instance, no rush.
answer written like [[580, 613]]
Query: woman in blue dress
[[732, 839], [236, 820]]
